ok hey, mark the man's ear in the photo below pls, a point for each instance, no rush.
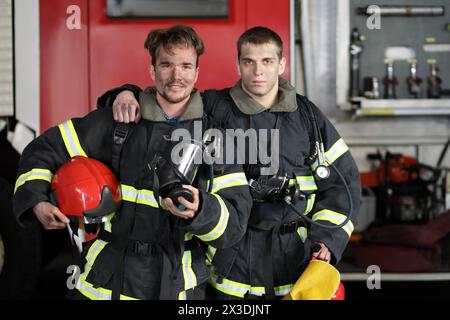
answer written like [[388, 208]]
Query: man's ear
[[238, 68], [196, 74], [282, 66], [152, 72]]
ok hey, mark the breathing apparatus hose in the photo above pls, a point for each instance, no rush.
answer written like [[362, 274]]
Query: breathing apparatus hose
[[309, 220]]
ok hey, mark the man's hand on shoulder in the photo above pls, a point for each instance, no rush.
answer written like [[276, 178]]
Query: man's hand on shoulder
[[126, 108]]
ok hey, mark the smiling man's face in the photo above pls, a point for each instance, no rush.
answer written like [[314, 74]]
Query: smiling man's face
[[175, 73]]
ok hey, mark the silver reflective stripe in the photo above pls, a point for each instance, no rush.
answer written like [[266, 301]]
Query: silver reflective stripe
[[129, 193], [210, 253], [310, 203], [228, 181], [88, 289], [229, 288], [335, 218], [306, 183], [71, 140], [338, 149], [94, 251], [190, 280], [283, 290], [85, 287], [34, 174], [147, 197], [188, 236], [143, 196], [90, 292], [237, 289], [182, 295], [221, 226], [303, 233], [107, 223]]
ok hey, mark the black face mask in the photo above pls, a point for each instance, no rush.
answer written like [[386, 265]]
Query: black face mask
[[172, 174]]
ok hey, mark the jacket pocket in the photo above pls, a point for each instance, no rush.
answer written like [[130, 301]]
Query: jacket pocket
[[224, 259], [100, 263], [289, 258]]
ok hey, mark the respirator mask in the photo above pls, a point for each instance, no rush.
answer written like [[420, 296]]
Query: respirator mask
[[178, 165]]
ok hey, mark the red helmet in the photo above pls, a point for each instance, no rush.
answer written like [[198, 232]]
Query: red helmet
[[85, 187], [340, 293]]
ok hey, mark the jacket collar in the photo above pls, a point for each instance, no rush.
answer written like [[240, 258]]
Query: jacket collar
[[153, 112], [287, 101]]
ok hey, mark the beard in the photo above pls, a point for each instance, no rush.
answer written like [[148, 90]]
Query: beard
[[174, 98]]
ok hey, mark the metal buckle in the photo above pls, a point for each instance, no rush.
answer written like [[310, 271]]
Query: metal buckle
[[119, 135]]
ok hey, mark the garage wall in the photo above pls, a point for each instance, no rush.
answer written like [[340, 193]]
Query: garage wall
[[27, 66], [6, 59], [424, 135]]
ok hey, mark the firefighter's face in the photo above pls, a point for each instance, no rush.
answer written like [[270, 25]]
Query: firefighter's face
[[259, 68], [175, 73]]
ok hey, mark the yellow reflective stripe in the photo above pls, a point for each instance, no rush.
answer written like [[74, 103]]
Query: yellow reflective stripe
[[71, 140], [92, 293], [143, 196], [237, 289], [188, 236], [182, 295], [147, 197], [229, 287], [229, 180], [306, 183], [34, 174], [221, 226], [336, 150], [94, 251], [190, 280], [303, 233], [210, 253], [283, 290], [107, 224], [88, 289], [310, 203], [335, 218]]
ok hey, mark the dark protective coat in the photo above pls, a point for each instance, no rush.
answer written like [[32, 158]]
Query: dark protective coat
[[141, 230], [240, 269]]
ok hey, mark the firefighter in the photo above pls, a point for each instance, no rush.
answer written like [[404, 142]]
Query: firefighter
[[315, 161], [151, 248]]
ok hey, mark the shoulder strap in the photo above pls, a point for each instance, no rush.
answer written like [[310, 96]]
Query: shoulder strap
[[305, 116], [121, 132], [217, 103]]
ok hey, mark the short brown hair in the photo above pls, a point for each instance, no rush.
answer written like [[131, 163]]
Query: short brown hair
[[179, 35], [260, 35]]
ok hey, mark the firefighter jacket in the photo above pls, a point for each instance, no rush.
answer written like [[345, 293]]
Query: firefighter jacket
[[239, 270], [140, 235]]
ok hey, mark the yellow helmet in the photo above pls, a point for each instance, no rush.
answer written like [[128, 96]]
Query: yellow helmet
[[319, 281]]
